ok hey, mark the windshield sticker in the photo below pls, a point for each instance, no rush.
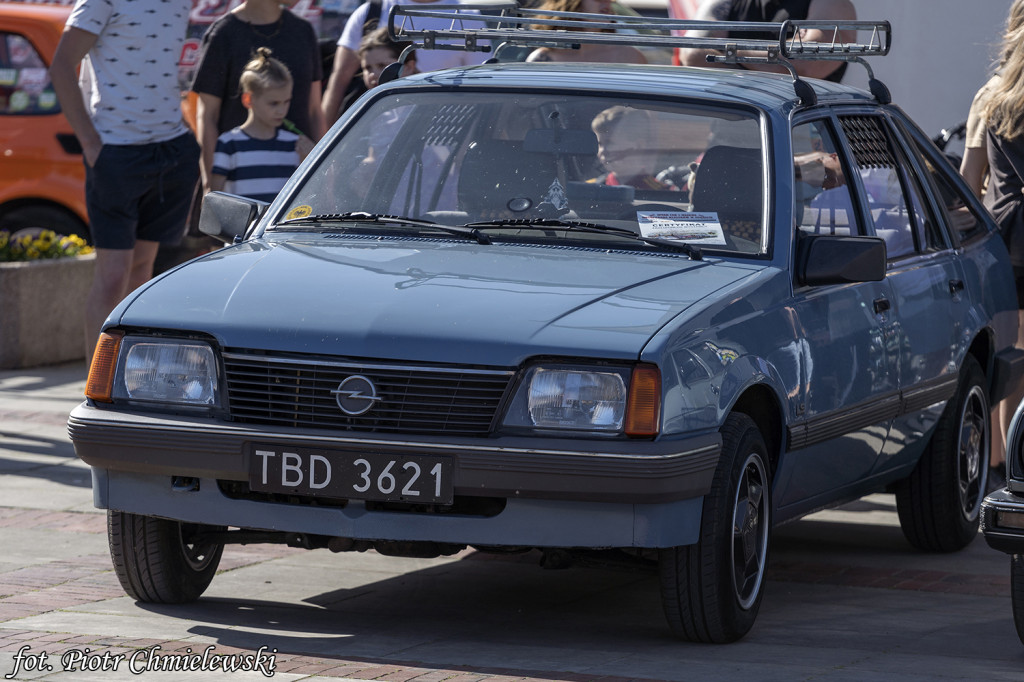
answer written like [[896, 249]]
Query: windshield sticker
[[556, 196], [19, 101], [298, 212], [47, 100], [8, 76], [33, 80], [695, 228]]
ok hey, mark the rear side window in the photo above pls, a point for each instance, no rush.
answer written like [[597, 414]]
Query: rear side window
[[895, 196], [959, 214], [25, 87]]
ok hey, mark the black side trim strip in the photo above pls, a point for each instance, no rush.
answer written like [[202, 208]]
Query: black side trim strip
[[928, 393], [834, 424]]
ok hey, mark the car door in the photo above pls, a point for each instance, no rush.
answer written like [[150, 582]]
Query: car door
[[847, 341], [925, 274]]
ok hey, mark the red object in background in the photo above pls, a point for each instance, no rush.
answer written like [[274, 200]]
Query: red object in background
[[681, 9]]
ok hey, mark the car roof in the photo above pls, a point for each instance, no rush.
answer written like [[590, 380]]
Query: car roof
[[760, 89], [57, 14]]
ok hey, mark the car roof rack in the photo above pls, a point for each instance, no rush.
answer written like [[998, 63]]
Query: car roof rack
[[477, 26]]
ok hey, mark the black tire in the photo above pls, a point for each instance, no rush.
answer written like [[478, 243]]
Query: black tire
[[53, 218], [1017, 593], [155, 563], [939, 504], [711, 591]]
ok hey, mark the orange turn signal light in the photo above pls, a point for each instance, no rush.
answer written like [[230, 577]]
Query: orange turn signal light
[[643, 407], [100, 384]]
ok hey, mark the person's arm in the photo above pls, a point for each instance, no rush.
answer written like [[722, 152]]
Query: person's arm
[[974, 167], [709, 10], [316, 113], [208, 113], [217, 182], [346, 64], [73, 46], [819, 10]]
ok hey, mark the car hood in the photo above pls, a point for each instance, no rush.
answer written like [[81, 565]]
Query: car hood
[[427, 300]]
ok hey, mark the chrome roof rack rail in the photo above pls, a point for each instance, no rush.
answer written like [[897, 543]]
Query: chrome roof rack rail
[[476, 26]]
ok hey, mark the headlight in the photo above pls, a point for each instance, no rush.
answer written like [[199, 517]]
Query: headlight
[[591, 399], [171, 371]]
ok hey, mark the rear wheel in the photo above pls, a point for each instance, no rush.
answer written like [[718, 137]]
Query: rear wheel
[[939, 504], [712, 590], [161, 561]]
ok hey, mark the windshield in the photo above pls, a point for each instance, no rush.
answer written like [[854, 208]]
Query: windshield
[[516, 164]]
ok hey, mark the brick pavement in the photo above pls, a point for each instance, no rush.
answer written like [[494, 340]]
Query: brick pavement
[[56, 585]]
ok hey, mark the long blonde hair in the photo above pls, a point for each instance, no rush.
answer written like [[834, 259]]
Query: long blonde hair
[[1005, 108]]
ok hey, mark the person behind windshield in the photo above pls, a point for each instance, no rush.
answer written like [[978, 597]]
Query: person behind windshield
[[625, 146], [622, 54]]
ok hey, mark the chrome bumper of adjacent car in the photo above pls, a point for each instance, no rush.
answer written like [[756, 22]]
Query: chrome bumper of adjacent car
[[1002, 521]]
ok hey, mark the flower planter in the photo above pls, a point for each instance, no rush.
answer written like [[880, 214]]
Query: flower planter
[[42, 307]]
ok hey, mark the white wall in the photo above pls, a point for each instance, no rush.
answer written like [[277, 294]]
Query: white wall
[[942, 52]]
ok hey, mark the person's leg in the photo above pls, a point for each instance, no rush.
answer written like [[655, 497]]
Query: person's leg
[[1007, 407], [109, 286], [143, 257]]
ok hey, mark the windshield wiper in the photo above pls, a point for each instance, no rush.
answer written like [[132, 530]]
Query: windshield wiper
[[580, 226], [385, 219]]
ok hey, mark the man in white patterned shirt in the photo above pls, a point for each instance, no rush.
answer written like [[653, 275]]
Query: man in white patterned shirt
[[141, 160]]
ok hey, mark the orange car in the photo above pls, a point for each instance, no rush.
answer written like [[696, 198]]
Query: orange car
[[42, 178]]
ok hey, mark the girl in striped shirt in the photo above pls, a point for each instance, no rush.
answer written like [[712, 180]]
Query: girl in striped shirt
[[257, 158]]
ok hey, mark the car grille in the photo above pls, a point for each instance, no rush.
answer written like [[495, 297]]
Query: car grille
[[413, 399]]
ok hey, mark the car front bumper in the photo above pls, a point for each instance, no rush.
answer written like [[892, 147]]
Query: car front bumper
[[553, 492]]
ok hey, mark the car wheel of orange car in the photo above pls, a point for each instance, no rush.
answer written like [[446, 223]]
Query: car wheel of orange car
[[161, 561], [53, 218], [939, 504], [712, 590]]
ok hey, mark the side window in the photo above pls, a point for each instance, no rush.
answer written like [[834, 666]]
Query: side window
[[25, 87], [895, 198], [959, 214], [823, 201]]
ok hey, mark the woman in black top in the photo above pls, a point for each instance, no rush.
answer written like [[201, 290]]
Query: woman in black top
[[229, 44]]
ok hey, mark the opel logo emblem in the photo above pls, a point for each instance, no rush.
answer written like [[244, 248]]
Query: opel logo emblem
[[356, 395]]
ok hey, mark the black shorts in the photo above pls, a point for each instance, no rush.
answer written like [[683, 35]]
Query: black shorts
[[141, 191]]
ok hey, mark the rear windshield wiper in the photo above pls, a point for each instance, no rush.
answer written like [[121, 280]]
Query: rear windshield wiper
[[579, 226], [385, 219]]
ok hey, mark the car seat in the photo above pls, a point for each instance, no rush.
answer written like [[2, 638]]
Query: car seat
[[498, 180], [729, 182]]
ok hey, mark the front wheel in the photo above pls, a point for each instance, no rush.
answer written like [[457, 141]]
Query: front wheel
[[712, 590], [161, 561], [939, 504]]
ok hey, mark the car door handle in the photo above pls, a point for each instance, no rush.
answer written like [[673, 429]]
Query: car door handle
[[956, 286], [882, 305]]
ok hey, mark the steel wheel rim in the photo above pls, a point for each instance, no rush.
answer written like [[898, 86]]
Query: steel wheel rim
[[198, 555], [972, 446], [750, 522]]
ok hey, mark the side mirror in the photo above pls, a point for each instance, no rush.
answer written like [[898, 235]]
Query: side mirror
[[830, 259], [227, 217]]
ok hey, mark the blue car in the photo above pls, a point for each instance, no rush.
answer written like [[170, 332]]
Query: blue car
[[565, 307]]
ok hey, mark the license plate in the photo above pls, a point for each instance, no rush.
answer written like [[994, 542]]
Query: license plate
[[324, 473]]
